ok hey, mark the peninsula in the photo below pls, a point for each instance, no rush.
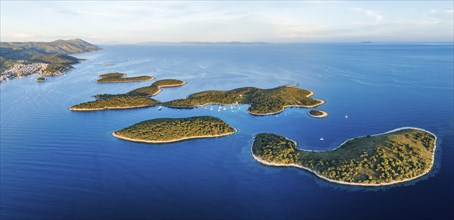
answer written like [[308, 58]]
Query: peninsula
[[20, 59], [389, 158], [262, 101], [121, 77], [137, 98], [167, 130]]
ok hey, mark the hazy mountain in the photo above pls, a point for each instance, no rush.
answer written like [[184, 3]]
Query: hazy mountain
[[52, 58], [58, 47]]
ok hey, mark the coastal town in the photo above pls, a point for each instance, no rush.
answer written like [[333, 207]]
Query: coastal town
[[22, 69]]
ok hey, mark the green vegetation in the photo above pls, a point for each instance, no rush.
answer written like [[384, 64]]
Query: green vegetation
[[155, 88], [262, 101], [119, 77], [115, 102], [168, 83], [400, 155], [73, 46], [317, 113], [53, 53], [134, 99], [112, 75], [41, 79], [164, 130]]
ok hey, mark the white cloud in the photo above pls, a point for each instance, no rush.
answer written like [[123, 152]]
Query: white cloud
[[222, 21], [378, 17], [444, 11]]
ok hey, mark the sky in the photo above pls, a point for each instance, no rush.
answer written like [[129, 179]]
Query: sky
[[112, 22]]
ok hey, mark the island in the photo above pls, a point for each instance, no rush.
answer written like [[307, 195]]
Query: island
[[318, 113], [21, 59], [393, 157], [167, 130], [40, 79], [111, 75], [155, 88], [262, 101], [137, 98], [120, 78], [104, 102]]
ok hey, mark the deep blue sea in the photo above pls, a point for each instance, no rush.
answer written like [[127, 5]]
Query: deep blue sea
[[58, 164]]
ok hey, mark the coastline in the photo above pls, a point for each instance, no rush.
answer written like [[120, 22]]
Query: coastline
[[143, 80], [106, 108], [172, 85], [323, 115], [290, 106], [258, 114], [352, 183], [173, 140], [167, 86]]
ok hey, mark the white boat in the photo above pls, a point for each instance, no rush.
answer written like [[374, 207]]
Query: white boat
[[321, 138], [346, 116], [211, 109], [159, 108]]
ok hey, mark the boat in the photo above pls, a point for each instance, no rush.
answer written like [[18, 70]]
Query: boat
[[346, 116], [159, 108], [211, 109], [321, 138]]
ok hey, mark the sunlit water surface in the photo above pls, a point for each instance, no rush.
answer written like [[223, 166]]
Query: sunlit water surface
[[60, 164]]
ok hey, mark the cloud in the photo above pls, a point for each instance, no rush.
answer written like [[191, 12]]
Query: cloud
[[18, 35], [444, 11], [378, 17]]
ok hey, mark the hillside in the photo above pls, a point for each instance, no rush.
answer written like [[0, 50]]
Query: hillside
[[20, 59]]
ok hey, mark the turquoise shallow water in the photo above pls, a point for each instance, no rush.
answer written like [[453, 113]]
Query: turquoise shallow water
[[61, 164]]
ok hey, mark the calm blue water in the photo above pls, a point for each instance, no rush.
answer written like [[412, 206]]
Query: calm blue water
[[58, 164]]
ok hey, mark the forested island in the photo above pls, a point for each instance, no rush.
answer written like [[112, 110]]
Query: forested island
[[155, 88], [137, 98], [121, 77], [166, 130], [111, 75], [396, 156], [20, 59], [105, 102], [40, 79], [318, 113], [262, 101]]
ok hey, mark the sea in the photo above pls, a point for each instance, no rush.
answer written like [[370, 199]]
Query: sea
[[60, 164]]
